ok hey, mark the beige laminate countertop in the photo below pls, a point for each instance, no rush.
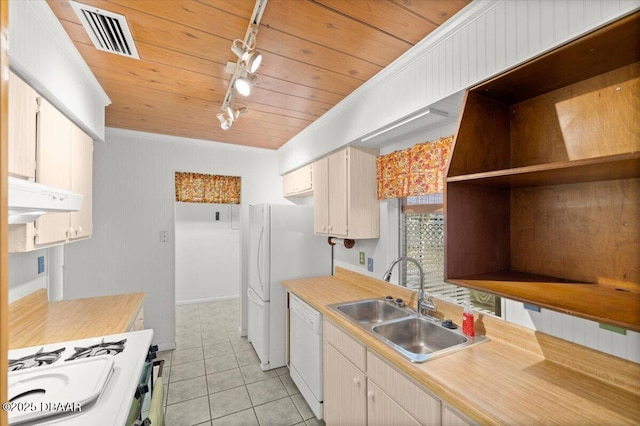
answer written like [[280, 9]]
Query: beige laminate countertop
[[517, 377], [33, 320]]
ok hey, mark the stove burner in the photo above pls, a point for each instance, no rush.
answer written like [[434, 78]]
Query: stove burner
[[35, 360], [102, 348]]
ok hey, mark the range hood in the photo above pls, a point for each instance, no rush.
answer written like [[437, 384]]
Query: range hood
[[29, 200]]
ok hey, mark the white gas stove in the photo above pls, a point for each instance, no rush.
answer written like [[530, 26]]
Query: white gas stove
[[81, 382]]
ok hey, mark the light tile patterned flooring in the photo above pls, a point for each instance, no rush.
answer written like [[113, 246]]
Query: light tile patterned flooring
[[213, 378]]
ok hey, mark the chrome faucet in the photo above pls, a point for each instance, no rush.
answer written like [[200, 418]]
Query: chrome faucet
[[423, 305]]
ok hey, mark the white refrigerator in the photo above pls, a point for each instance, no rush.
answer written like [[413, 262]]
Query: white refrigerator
[[282, 246]]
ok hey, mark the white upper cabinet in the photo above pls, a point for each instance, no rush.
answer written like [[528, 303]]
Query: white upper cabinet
[[81, 222], [53, 168], [345, 199], [23, 108], [62, 157], [298, 183]]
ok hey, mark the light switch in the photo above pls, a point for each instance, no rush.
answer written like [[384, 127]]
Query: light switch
[[370, 264]]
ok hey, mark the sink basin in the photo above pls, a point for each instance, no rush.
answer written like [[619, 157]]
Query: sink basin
[[372, 311], [419, 336], [413, 336]]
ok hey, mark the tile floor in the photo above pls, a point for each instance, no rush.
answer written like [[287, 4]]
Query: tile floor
[[213, 377]]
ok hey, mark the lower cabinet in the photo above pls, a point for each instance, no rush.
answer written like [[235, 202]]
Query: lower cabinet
[[361, 388], [384, 411], [452, 418], [345, 390]]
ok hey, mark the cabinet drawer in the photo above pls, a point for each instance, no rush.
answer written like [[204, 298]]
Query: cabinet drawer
[[412, 398], [346, 345]]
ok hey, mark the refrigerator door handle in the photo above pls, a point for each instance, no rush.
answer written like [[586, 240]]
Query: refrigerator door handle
[[259, 258], [254, 297]]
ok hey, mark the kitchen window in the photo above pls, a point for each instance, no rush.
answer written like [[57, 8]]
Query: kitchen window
[[422, 237]]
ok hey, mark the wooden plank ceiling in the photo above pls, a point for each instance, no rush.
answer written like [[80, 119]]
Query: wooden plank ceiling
[[315, 52]]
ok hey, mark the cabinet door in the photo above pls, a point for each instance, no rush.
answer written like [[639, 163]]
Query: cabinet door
[[383, 411], [345, 386], [298, 182], [321, 196], [338, 190], [81, 182], [53, 168], [22, 128], [451, 418]]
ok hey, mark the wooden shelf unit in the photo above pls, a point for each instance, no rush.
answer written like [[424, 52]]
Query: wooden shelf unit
[[542, 199]]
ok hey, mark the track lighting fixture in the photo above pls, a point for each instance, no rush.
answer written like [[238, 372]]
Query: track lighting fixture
[[253, 62], [225, 120], [243, 69], [246, 54], [238, 111], [243, 84]]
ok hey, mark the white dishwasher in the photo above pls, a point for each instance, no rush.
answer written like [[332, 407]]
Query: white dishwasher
[[305, 352]]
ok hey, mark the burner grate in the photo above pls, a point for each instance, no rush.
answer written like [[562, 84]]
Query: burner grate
[[102, 348], [35, 360]]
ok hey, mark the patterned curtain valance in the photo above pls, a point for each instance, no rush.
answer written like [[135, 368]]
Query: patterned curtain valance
[[414, 171], [203, 188]]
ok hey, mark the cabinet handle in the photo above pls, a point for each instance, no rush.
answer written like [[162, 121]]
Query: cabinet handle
[[79, 230], [356, 381], [370, 395]]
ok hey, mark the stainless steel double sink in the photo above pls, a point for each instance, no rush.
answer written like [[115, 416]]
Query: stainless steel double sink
[[413, 336]]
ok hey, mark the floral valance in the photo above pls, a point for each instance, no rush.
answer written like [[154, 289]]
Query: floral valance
[[203, 188], [417, 170]]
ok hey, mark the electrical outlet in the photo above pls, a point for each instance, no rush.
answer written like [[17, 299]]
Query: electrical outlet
[[164, 237], [217, 215], [40, 264], [362, 258], [370, 264]]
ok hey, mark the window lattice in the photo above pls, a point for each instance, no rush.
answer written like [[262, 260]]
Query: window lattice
[[423, 239]]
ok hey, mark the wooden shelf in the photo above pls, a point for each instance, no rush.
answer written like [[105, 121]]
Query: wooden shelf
[[621, 166], [544, 179], [603, 303], [612, 47]]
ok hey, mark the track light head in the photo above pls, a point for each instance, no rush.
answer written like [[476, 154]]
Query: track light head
[[253, 62], [243, 84], [239, 49], [237, 112], [225, 121]]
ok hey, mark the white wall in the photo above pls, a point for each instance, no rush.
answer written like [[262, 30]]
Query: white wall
[[133, 201], [207, 253], [24, 278], [23, 273]]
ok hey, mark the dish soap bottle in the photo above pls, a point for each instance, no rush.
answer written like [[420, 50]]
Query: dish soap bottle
[[467, 320]]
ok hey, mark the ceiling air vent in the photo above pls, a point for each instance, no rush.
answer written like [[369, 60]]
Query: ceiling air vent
[[108, 31]]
